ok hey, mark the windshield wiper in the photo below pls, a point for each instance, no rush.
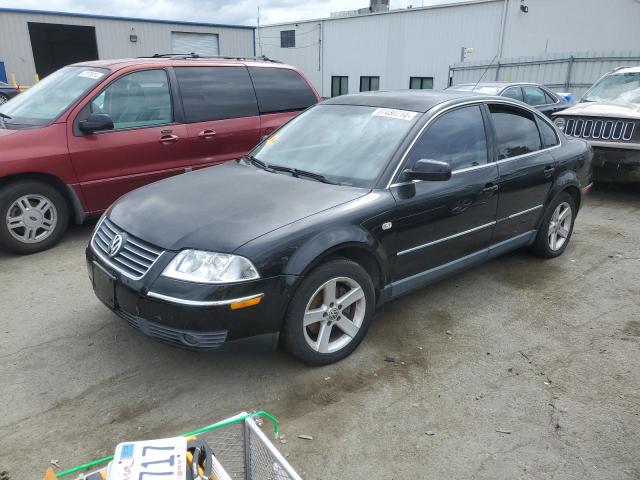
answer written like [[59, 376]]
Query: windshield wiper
[[296, 172], [258, 163]]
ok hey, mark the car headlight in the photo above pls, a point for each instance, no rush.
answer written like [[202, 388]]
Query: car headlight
[[210, 267], [559, 123]]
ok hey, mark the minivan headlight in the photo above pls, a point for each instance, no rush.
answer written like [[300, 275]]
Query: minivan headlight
[[210, 267], [559, 123]]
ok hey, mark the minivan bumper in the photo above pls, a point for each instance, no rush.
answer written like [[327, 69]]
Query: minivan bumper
[[219, 321]]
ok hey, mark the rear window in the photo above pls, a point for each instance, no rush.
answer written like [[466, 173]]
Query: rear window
[[216, 93], [280, 90]]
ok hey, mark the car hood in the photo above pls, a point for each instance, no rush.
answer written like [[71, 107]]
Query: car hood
[[223, 207], [603, 109]]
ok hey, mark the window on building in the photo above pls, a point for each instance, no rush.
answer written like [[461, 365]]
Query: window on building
[[280, 90], [287, 38], [140, 99], [339, 86], [516, 131], [368, 84], [216, 93], [421, 83], [457, 137]]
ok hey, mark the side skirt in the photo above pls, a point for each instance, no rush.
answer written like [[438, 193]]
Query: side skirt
[[419, 280]]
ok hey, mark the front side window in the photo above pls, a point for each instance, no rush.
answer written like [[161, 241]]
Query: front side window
[[339, 86], [280, 90], [534, 96], [369, 84], [616, 87], [421, 83], [513, 92], [216, 93], [456, 137], [287, 38], [516, 131], [52, 96], [347, 144], [136, 100]]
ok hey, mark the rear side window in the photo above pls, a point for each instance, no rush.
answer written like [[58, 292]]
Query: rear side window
[[534, 96], [216, 93], [516, 131], [549, 136], [456, 137], [513, 92], [281, 90]]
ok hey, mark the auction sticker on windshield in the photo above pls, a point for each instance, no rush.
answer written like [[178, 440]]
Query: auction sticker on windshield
[[149, 459], [91, 74], [394, 113]]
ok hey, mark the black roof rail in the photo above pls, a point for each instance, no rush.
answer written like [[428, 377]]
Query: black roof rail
[[193, 55]]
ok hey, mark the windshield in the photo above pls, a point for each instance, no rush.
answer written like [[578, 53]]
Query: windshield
[[47, 99], [347, 144], [617, 87]]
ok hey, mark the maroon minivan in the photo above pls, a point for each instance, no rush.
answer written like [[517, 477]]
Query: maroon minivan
[[92, 131]]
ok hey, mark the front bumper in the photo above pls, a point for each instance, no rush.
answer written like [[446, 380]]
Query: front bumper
[[616, 165], [187, 315]]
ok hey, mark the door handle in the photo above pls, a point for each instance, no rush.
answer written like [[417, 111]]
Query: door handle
[[490, 188], [207, 134], [169, 139], [548, 171]]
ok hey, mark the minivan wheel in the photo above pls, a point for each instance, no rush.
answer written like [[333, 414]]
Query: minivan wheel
[[330, 313], [33, 217], [556, 228]]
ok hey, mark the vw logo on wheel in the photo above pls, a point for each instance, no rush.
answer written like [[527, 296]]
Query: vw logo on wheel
[[116, 245]]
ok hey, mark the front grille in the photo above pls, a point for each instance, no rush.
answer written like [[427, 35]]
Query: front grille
[[135, 257], [603, 129], [190, 339]]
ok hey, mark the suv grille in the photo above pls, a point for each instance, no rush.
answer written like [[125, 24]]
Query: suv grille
[[600, 129], [134, 258]]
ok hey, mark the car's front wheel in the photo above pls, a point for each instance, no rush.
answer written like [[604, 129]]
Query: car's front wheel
[[556, 228], [33, 217], [330, 313]]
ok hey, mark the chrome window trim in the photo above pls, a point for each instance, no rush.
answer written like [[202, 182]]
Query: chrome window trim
[[437, 115], [111, 264], [450, 237], [200, 303]]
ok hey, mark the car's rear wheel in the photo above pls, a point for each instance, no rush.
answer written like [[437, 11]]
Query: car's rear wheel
[[3, 99], [556, 228], [330, 313], [33, 217]]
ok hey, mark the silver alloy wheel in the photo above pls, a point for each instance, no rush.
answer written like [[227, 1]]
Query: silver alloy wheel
[[31, 218], [334, 315], [560, 226]]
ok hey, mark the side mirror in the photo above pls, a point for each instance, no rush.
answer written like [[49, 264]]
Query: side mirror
[[96, 122], [429, 170]]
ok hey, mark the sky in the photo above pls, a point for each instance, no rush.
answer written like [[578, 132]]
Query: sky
[[241, 12]]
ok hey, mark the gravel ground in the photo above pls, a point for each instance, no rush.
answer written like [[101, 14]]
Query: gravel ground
[[520, 368]]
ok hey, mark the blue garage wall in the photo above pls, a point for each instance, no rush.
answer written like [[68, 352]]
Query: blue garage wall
[[3, 73]]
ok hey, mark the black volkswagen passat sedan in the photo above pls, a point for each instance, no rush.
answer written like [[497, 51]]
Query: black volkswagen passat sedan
[[358, 200]]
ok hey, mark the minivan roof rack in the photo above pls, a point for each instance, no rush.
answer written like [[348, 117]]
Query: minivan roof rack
[[193, 55]]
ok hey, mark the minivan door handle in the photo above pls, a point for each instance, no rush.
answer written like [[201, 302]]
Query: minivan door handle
[[169, 139], [207, 134]]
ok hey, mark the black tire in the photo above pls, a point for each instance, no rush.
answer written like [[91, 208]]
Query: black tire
[[295, 336], [10, 194], [542, 244]]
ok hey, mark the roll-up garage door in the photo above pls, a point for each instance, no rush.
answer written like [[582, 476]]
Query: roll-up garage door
[[205, 44]]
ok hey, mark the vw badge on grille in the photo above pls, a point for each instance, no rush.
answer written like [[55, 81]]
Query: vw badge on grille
[[116, 245]]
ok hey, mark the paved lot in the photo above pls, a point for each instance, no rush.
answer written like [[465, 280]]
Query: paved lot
[[546, 350]]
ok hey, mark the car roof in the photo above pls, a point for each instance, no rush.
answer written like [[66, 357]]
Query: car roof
[[180, 60], [413, 100], [627, 70], [497, 84]]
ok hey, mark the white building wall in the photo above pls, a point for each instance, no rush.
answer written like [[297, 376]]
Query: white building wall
[[112, 37], [426, 41]]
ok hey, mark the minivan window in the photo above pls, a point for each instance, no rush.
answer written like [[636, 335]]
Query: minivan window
[[280, 90], [139, 99], [516, 131], [348, 144], [52, 96], [457, 137], [216, 93]]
